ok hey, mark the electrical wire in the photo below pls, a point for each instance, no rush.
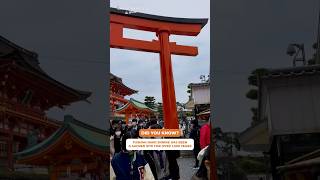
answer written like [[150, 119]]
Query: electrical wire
[[64, 59]]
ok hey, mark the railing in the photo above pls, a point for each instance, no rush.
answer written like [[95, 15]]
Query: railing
[[26, 111], [20, 107]]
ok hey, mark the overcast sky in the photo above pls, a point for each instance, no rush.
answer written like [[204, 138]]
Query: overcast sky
[[141, 71], [70, 39], [248, 34]]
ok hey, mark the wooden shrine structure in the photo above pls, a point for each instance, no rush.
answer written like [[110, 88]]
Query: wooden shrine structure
[[135, 109], [118, 91], [163, 27], [26, 92], [75, 148]]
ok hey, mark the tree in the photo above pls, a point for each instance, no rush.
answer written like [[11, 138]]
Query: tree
[[180, 111], [189, 89], [160, 110], [227, 164], [312, 60], [229, 140], [150, 101], [253, 93]]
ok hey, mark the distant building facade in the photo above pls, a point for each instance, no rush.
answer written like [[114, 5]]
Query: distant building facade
[[289, 100], [199, 99]]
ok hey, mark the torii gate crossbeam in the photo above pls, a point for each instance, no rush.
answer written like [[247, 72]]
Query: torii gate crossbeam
[[163, 27]]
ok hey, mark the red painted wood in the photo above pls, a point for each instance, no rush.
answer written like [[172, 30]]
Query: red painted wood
[[154, 26], [168, 93], [163, 46]]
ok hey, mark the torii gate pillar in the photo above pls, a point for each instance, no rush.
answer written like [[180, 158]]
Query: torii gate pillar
[[167, 84], [163, 27]]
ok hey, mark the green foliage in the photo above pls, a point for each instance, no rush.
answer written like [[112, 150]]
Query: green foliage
[[150, 101], [255, 115], [253, 78], [160, 110], [252, 94], [312, 61], [253, 165], [239, 167], [229, 141], [237, 172], [188, 114], [230, 170], [189, 89]]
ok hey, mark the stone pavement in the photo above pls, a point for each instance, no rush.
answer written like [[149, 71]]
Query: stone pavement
[[186, 167]]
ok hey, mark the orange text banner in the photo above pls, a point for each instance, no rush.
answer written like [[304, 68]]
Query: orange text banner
[[160, 133]]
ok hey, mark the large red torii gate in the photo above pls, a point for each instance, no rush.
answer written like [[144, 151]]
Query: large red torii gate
[[163, 27]]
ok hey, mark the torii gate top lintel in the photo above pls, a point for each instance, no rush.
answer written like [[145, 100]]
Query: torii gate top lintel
[[191, 21], [120, 19], [163, 27]]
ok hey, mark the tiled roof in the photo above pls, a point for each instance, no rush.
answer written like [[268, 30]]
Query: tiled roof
[[137, 104], [28, 61], [117, 80], [199, 84], [92, 136], [292, 72]]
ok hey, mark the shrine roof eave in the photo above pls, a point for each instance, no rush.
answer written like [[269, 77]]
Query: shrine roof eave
[[199, 84], [28, 61], [30, 53], [91, 136], [115, 78], [201, 21], [292, 72], [129, 90], [137, 104], [77, 94]]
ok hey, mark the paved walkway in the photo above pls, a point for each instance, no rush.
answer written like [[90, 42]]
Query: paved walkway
[[186, 167]]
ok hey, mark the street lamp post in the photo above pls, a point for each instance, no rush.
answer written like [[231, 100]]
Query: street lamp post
[[295, 49]]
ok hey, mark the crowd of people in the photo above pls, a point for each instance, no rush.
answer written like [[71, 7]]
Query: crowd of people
[[150, 164]]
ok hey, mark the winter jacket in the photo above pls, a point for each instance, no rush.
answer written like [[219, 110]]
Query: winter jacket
[[126, 169], [205, 136]]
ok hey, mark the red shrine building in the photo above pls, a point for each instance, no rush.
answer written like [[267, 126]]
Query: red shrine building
[[118, 91], [26, 92]]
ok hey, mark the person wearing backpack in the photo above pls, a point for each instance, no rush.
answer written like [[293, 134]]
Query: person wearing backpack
[[195, 135], [203, 172], [129, 165]]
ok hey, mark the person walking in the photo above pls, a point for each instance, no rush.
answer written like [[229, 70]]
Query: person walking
[[172, 155], [129, 165], [195, 135], [205, 134], [115, 137]]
